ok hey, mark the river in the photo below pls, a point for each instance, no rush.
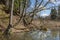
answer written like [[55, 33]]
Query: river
[[34, 35]]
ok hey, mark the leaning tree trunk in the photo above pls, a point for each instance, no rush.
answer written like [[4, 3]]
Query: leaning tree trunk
[[10, 20]]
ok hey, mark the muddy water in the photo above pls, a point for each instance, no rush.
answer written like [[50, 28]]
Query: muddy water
[[34, 35]]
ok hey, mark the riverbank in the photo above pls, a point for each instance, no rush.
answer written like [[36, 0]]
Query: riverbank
[[45, 24]]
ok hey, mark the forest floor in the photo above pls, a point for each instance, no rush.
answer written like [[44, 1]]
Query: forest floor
[[4, 20]]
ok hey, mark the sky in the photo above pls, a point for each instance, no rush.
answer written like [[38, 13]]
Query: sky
[[46, 12]]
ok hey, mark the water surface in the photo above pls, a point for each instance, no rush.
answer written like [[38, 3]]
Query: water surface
[[33, 35]]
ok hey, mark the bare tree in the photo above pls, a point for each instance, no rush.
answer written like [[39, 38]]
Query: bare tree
[[10, 20], [26, 12]]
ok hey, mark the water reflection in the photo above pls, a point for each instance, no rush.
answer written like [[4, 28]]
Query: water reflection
[[38, 35], [45, 35], [34, 35]]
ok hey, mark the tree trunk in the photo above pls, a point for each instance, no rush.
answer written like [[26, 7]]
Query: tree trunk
[[6, 32], [10, 20]]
